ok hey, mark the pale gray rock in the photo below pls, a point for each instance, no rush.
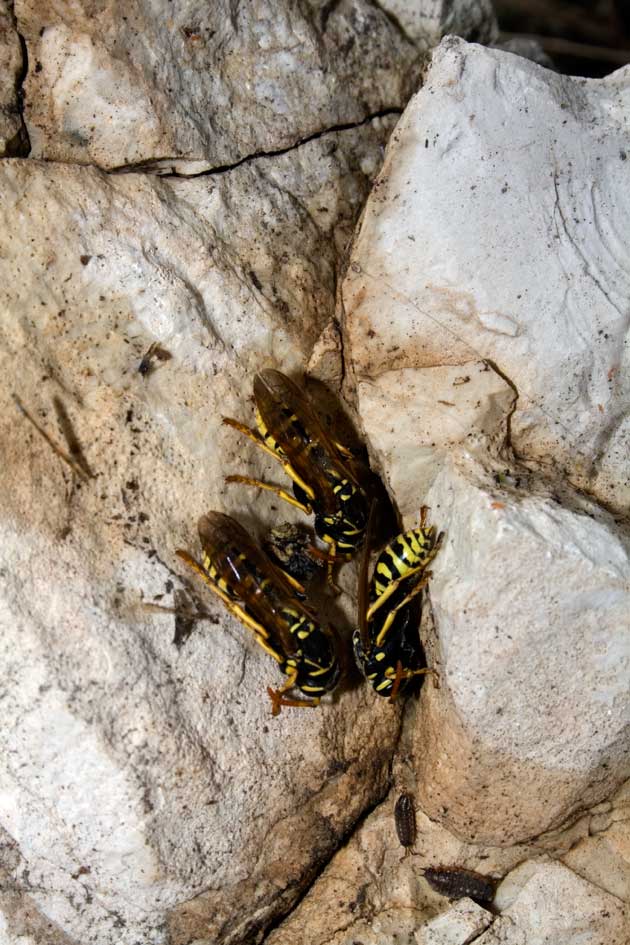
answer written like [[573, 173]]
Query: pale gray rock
[[459, 925], [530, 597], [194, 86], [426, 22], [544, 902], [494, 233], [146, 792], [13, 137]]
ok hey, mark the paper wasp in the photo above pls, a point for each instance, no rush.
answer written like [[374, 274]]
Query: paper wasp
[[266, 600], [386, 643], [323, 472]]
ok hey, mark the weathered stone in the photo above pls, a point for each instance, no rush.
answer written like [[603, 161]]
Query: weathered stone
[[459, 925], [13, 137], [493, 234], [603, 856], [147, 786], [193, 86], [544, 902], [531, 600], [428, 21]]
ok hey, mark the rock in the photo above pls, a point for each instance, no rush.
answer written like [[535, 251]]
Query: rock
[[528, 48], [13, 137], [140, 82], [428, 21], [492, 235], [145, 785], [603, 856], [143, 82], [411, 429], [460, 924], [531, 602], [546, 902]]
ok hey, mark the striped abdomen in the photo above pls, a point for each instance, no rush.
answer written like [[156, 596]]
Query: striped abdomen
[[405, 555]]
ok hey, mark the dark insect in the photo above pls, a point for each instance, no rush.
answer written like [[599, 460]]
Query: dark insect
[[386, 644], [292, 548], [155, 352], [324, 473], [457, 883], [266, 600], [405, 820]]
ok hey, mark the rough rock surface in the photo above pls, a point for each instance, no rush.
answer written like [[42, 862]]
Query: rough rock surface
[[495, 233], [136, 775], [544, 902], [531, 598], [196, 86], [135, 82], [482, 320], [428, 21], [13, 137]]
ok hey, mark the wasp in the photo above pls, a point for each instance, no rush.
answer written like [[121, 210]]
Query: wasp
[[324, 473], [267, 601], [386, 644]]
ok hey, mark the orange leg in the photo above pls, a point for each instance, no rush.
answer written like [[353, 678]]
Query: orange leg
[[281, 493], [278, 698]]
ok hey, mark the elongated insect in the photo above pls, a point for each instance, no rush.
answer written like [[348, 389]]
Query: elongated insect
[[386, 643], [323, 471], [405, 820], [266, 600], [457, 883]]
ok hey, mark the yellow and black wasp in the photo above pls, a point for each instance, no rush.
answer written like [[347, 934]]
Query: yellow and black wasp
[[266, 600], [323, 472], [386, 643]]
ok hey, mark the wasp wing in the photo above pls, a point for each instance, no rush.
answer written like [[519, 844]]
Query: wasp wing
[[363, 590], [250, 576], [289, 417]]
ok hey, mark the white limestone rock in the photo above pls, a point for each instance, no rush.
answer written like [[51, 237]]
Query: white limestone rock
[[195, 86], [531, 600], [495, 233], [544, 902], [145, 790], [459, 925]]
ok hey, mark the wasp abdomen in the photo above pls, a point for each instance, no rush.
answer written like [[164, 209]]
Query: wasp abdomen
[[405, 819], [457, 883]]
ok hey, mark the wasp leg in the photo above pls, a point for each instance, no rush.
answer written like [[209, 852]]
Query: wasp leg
[[390, 616], [281, 493], [315, 552], [278, 699], [252, 435], [404, 674], [261, 635], [279, 457]]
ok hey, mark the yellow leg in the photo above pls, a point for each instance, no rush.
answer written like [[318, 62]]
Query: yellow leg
[[412, 593], [253, 435], [281, 493], [261, 634], [256, 438], [278, 699]]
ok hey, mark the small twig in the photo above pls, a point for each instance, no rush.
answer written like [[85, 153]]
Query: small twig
[[54, 446]]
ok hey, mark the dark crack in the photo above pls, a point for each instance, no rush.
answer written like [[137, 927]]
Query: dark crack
[[256, 155], [20, 144]]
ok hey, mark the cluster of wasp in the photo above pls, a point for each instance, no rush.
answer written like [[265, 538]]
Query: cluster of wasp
[[268, 597]]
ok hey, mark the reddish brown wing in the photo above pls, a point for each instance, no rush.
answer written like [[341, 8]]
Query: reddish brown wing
[[290, 419], [251, 576], [363, 590]]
